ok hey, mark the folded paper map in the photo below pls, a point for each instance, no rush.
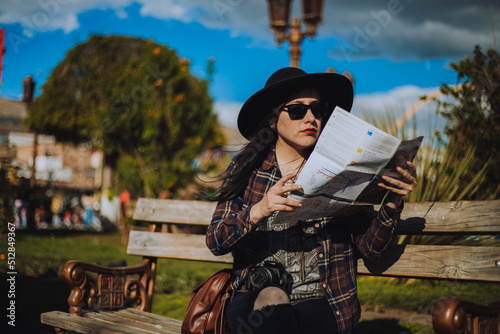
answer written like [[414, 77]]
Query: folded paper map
[[346, 166]]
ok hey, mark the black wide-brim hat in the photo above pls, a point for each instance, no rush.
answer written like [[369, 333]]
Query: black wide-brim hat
[[333, 88]]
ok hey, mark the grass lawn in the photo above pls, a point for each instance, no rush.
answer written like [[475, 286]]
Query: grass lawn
[[39, 258]]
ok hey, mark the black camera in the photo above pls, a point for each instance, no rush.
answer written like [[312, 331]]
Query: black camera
[[269, 274]]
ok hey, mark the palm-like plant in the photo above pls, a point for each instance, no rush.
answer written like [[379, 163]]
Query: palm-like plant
[[439, 172]]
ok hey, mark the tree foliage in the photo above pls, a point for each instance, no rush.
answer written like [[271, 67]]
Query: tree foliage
[[136, 100], [474, 117], [6, 197]]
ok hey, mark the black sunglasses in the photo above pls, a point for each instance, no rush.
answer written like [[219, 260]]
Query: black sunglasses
[[299, 110]]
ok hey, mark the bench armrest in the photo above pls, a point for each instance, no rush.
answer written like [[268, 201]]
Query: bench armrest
[[114, 286], [451, 316]]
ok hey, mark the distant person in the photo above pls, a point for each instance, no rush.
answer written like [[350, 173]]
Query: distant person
[[124, 200], [87, 211], [165, 194], [315, 259]]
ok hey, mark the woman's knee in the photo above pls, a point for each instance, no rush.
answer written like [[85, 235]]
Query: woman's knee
[[271, 296]]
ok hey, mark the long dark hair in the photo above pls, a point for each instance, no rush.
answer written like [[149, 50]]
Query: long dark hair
[[235, 178], [249, 158]]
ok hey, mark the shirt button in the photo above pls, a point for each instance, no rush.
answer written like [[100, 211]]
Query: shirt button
[[324, 285], [321, 255], [316, 225], [338, 312]]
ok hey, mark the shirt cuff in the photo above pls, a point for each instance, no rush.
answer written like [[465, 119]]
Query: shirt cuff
[[251, 223], [391, 211], [388, 215], [244, 219]]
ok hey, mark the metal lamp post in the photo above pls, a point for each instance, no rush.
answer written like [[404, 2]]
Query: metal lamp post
[[279, 13], [28, 93], [28, 89]]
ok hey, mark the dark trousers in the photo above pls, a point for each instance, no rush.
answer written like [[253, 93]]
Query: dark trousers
[[307, 317]]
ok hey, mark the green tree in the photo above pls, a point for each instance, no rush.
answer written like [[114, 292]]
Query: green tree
[[6, 196], [474, 117], [137, 101]]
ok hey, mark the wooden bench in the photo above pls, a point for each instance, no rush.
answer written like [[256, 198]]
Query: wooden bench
[[98, 307]]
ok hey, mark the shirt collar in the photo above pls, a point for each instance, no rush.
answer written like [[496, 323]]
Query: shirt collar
[[270, 160]]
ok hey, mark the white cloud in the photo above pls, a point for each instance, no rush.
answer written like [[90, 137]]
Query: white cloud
[[397, 99], [49, 15], [121, 13], [168, 9], [416, 29], [403, 104], [228, 112], [394, 103]]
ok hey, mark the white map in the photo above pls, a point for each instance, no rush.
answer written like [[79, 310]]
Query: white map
[[347, 162]]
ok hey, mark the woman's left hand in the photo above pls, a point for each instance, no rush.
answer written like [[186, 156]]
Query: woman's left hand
[[399, 188]]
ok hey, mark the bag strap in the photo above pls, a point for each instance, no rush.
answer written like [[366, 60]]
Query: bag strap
[[220, 325]]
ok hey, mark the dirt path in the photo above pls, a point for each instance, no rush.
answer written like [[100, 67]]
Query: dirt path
[[402, 316]]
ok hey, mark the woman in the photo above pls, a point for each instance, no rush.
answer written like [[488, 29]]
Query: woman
[[294, 277]]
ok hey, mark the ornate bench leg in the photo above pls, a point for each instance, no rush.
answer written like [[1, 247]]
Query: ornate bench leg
[[448, 317], [458, 316], [485, 325]]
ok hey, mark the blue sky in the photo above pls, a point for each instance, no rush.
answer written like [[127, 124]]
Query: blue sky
[[397, 50]]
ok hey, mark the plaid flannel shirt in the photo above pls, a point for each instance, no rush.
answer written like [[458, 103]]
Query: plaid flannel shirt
[[341, 240]]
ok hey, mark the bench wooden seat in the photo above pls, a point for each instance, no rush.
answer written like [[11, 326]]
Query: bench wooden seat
[[107, 296], [129, 320]]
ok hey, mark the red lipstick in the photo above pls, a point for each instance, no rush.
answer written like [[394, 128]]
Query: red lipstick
[[309, 132]]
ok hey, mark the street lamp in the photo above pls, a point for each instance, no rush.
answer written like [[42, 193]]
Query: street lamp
[[279, 13], [28, 92], [28, 89]]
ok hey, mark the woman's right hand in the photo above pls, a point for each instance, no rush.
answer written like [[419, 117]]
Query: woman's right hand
[[275, 200]]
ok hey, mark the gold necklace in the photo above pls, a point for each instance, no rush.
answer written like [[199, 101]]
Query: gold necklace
[[296, 171], [289, 162]]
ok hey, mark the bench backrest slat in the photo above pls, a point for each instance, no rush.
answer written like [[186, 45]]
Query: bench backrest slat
[[463, 217], [436, 261], [453, 262], [175, 246], [480, 263], [174, 211]]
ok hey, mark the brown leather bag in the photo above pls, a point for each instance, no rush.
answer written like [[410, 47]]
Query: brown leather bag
[[206, 312]]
